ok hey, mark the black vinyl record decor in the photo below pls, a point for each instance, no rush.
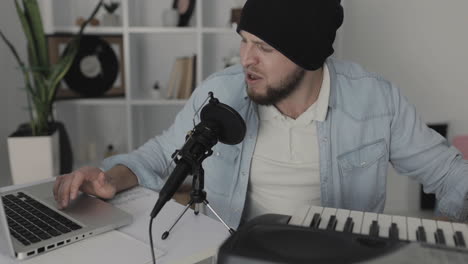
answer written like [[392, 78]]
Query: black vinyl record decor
[[95, 68]]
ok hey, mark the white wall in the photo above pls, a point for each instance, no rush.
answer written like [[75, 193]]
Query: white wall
[[421, 45], [12, 100]]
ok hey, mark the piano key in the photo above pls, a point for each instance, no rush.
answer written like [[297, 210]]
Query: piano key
[[440, 237], [459, 240], [357, 220], [326, 214], [447, 229], [374, 229], [315, 221], [463, 229], [384, 221], [299, 215], [349, 225], [313, 210], [394, 227], [421, 234], [332, 223], [367, 222], [401, 224], [341, 216], [413, 224], [393, 232], [430, 226]]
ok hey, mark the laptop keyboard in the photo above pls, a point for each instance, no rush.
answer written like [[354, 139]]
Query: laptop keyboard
[[30, 221]]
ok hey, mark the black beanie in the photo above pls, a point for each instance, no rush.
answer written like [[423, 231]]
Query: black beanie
[[302, 30]]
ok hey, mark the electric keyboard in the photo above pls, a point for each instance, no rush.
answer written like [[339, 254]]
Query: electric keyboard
[[316, 234]]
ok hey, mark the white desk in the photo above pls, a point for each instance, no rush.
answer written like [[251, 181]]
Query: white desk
[[193, 239]]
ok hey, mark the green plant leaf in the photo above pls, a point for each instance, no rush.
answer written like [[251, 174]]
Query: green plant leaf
[[42, 79], [13, 50], [29, 37], [21, 64], [60, 69], [93, 14], [33, 15]]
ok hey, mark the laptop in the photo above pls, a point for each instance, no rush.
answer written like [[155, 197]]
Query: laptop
[[31, 224]]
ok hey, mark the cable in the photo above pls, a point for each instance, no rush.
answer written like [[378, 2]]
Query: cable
[[166, 170], [200, 108], [151, 239]]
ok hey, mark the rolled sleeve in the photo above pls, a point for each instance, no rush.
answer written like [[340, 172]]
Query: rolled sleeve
[[454, 200], [423, 155]]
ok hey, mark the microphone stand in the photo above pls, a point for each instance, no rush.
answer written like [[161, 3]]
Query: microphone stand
[[197, 197]]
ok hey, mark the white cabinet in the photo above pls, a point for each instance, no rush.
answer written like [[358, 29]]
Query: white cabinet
[[149, 54]]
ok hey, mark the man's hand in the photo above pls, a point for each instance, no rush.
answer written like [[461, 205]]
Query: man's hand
[[90, 180]]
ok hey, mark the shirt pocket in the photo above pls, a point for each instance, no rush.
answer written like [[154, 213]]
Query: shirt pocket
[[221, 169], [362, 173]]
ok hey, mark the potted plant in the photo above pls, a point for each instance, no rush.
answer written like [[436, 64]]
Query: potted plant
[[41, 79], [110, 19]]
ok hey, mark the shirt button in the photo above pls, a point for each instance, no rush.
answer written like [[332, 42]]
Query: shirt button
[[363, 163], [324, 139]]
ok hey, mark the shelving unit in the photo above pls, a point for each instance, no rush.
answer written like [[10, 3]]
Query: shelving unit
[[149, 53]]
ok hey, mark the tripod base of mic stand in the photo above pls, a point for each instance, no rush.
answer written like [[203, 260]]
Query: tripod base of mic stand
[[196, 212], [197, 198]]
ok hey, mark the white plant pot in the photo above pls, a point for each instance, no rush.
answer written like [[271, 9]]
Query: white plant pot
[[33, 158]]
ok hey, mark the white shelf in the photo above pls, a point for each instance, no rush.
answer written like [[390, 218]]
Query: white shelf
[[149, 52], [172, 30], [90, 29], [152, 102], [122, 102], [95, 101], [220, 30]]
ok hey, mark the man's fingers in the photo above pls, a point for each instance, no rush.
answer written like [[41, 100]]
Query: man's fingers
[[101, 179], [58, 180], [64, 190], [75, 185], [63, 197]]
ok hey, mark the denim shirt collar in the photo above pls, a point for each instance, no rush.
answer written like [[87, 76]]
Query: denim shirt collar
[[333, 83]]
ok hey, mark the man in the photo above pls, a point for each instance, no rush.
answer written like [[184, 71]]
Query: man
[[319, 131]]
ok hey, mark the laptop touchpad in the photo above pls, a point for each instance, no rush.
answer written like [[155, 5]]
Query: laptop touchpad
[[86, 209]]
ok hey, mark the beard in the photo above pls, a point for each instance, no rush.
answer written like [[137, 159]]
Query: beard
[[275, 94]]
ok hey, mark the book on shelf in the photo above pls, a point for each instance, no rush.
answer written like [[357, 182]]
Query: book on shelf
[[173, 78], [182, 78]]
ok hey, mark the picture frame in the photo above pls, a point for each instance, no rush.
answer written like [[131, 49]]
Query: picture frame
[[57, 44]]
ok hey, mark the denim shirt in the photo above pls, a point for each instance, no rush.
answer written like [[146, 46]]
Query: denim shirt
[[368, 124]]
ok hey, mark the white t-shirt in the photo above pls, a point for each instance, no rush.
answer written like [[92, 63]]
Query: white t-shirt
[[285, 171]]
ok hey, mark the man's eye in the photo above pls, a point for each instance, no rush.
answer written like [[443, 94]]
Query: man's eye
[[265, 49]]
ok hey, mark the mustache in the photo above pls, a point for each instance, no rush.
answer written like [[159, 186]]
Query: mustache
[[252, 70]]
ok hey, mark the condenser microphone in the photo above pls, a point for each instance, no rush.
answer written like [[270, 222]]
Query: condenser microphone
[[219, 122]]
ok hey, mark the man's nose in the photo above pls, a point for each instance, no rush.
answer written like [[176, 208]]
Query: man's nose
[[248, 56]]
